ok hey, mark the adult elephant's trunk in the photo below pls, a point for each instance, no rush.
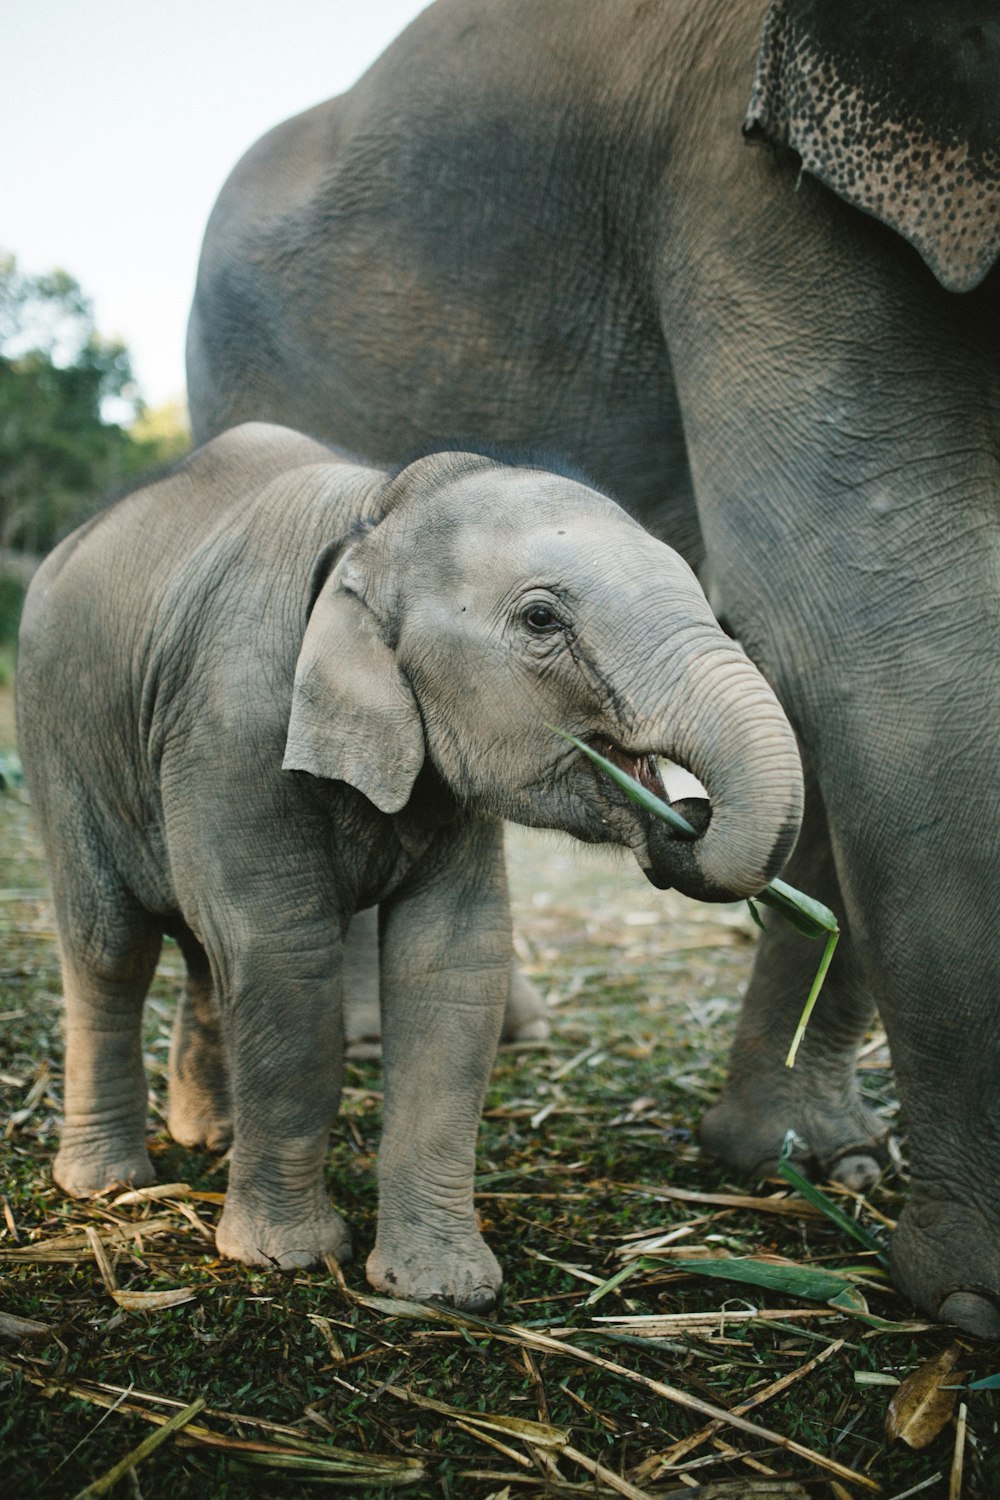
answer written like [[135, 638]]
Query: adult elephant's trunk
[[722, 722]]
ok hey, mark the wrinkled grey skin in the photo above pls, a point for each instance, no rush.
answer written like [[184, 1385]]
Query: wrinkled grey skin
[[537, 223], [276, 688], [525, 1015]]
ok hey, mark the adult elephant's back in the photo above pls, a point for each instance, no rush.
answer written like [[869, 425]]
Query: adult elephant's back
[[459, 251]]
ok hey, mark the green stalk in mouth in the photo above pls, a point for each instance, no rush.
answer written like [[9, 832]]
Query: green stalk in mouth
[[806, 915]]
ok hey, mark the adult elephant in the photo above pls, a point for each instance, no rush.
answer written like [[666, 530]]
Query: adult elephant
[[534, 222]]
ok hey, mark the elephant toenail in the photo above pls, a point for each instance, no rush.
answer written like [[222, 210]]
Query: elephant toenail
[[856, 1170], [972, 1311], [482, 1300]]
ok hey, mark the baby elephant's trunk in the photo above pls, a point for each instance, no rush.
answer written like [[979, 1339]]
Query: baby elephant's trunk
[[725, 725]]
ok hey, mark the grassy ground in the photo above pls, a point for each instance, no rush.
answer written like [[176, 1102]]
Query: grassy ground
[[587, 1168]]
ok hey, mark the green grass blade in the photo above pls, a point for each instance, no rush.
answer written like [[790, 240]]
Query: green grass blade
[[804, 913], [633, 789], [758, 920], [808, 915], [819, 1199], [811, 998], [611, 1285], [148, 1446], [790, 1279]]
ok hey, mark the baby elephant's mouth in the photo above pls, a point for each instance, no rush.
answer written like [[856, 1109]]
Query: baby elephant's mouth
[[645, 769], [642, 768]]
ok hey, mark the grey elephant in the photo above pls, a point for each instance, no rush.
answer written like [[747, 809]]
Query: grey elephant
[[277, 687], [535, 222]]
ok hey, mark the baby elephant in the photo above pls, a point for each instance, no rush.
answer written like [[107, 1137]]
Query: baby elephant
[[277, 687]]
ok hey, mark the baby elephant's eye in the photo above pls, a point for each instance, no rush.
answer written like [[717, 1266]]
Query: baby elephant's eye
[[540, 618]]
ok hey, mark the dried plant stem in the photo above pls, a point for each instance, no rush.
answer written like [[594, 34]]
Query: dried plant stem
[[958, 1458], [606, 1476], [544, 1343], [659, 1462], [146, 1447], [323, 1461], [101, 1257], [691, 1403]]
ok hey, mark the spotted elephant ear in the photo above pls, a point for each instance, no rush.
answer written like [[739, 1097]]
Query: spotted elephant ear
[[354, 717], [896, 108]]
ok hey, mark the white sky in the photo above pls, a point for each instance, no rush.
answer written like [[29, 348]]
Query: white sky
[[120, 120]]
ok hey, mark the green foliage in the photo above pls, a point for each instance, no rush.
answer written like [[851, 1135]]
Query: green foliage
[[60, 384], [11, 600], [835, 1287], [160, 433]]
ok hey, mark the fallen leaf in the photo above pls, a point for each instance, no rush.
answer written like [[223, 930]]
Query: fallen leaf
[[152, 1194], [153, 1301], [835, 1287], [923, 1406], [13, 1327]]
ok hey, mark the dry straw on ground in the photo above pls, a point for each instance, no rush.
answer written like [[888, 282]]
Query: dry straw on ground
[[134, 1361]]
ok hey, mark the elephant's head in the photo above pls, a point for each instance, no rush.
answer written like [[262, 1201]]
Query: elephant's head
[[491, 603], [896, 108]]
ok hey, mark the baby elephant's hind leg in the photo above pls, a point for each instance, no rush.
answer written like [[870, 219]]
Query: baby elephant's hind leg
[[106, 974], [199, 1113]]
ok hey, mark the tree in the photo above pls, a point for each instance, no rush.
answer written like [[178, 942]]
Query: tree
[[161, 433], [60, 382]]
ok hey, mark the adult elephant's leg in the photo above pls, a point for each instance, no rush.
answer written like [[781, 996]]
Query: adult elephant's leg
[[887, 665], [445, 958], [923, 903], [837, 1135], [893, 679]]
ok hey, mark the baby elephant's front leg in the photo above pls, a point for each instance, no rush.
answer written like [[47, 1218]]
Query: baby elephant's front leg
[[445, 961], [285, 1048]]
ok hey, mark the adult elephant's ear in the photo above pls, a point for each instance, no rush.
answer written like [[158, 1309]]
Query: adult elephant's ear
[[896, 107], [354, 717]]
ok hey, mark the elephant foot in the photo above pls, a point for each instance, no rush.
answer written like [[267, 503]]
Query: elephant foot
[[946, 1258], [843, 1143], [466, 1276], [199, 1113], [526, 1016], [257, 1240], [362, 1028], [198, 1121], [81, 1170]]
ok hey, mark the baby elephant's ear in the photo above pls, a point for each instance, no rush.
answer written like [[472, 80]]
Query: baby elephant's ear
[[354, 717]]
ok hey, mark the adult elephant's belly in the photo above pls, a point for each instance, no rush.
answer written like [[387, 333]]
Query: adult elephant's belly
[[374, 374]]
